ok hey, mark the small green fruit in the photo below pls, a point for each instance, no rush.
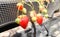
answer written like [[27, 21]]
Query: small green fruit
[[46, 15], [33, 19], [45, 10], [17, 20], [24, 10]]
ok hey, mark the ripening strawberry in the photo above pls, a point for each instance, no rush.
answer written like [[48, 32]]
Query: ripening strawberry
[[20, 6], [24, 22], [39, 19]]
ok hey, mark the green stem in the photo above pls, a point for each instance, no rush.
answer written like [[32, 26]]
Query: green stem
[[32, 4], [38, 6], [32, 7], [17, 13]]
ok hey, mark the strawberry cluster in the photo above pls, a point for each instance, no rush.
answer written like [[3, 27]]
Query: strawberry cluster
[[23, 19]]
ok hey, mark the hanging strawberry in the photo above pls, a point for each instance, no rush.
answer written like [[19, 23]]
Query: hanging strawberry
[[24, 21], [20, 6], [39, 19]]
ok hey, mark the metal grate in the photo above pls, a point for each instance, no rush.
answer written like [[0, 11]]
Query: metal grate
[[7, 12]]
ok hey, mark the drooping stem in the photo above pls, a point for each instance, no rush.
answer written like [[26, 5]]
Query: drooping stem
[[32, 7], [46, 30], [33, 25], [17, 13], [31, 4], [38, 6]]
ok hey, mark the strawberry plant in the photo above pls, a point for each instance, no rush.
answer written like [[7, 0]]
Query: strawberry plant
[[23, 19]]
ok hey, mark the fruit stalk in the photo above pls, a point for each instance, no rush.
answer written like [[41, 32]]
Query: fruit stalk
[[32, 5], [27, 4], [33, 26], [46, 30], [17, 13]]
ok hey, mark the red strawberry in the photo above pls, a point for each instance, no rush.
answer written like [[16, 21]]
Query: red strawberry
[[20, 6], [39, 19], [24, 22]]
